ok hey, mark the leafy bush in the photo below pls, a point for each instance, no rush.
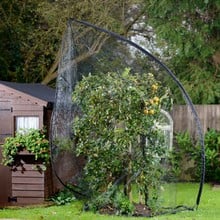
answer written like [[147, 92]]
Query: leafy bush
[[123, 204], [119, 111], [64, 197], [212, 152], [112, 201], [187, 149]]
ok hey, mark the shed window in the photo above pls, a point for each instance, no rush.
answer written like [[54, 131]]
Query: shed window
[[27, 122]]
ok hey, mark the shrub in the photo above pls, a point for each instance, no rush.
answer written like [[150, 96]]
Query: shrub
[[112, 201], [119, 112], [187, 149], [63, 197], [212, 153]]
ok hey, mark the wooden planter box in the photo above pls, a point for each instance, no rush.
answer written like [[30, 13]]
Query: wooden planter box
[[31, 185]]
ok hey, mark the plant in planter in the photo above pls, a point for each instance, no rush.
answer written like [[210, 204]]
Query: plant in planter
[[32, 142]]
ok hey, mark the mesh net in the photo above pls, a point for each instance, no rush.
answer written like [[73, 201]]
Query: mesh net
[[151, 181]]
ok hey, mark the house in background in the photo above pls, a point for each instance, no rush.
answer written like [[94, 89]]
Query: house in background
[[21, 106]]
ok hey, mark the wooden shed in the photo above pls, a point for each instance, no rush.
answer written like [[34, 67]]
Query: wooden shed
[[23, 106]]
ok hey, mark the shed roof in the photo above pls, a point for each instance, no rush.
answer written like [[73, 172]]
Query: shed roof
[[36, 90]]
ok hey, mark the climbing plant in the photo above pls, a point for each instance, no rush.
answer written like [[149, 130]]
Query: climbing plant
[[118, 115]]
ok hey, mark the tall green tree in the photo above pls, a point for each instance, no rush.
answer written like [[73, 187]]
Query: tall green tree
[[117, 16], [188, 33], [25, 51], [31, 33]]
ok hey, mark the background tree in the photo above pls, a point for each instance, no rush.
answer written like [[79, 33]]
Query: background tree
[[118, 16], [188, 34], [26, 44], [187, 37], [31, 33]]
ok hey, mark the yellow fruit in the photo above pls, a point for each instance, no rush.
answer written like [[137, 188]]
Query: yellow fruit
[[151, 112], [154, 87], [151, 101], [156, 99], [146, 111]]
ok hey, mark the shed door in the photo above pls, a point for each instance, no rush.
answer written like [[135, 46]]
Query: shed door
[[5, 131]]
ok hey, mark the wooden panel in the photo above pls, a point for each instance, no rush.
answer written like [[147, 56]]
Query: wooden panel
[[209, 116], [5, 182], [31, 184], [27, 180], [28, 173], [32, 187], [217, 118], [28, 167], [25, 193], [29, 200], [14, 94], [5, 131], [26, 107], [5, 121]]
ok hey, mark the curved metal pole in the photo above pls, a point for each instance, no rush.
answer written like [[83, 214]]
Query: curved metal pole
[[185, 94]]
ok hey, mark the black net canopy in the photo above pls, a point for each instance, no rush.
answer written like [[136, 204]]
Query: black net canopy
[[112, 129]]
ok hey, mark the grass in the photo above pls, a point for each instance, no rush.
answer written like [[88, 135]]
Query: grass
[[208, 209]]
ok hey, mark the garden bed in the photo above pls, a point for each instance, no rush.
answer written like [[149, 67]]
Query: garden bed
[[140, 210]]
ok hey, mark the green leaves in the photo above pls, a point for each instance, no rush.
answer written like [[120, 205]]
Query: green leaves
[[34, 141], [64, 197], [117, 109], [187, 150], [190, 32]]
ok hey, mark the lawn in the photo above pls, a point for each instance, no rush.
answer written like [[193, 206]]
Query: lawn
[[209, 209]]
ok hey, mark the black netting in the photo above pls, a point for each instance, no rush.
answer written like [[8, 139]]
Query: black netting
[[87, 49]]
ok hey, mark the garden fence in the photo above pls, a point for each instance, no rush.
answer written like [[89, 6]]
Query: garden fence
[[209, 116]]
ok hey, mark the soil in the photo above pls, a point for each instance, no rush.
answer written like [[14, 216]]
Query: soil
[[216, 185], [140, 210], [109, 210]]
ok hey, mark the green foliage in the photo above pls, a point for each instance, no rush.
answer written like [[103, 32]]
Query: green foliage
[[188, 32], [119, 110], [31, 33], [185, 151], [33, 141], [123, 204], [187, 147], [63, 197], [188, 150], [212, 152], [113, 201], [26, 50]]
